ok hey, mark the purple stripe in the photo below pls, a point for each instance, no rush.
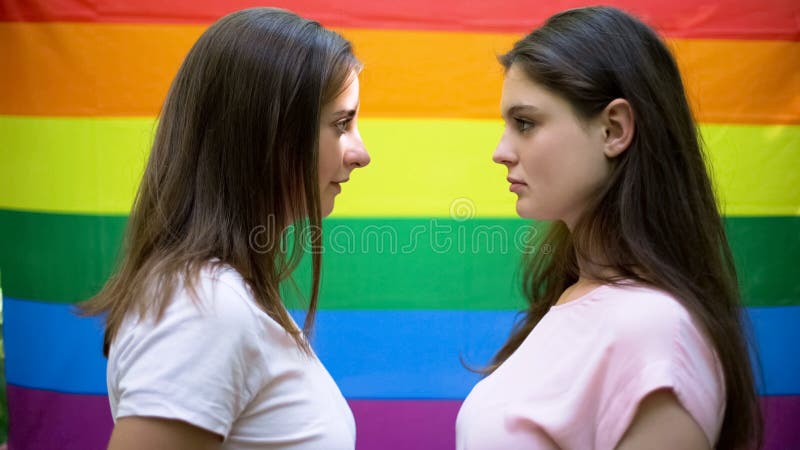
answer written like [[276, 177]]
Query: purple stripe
[[49, 420], [405, 424], [782, 416]]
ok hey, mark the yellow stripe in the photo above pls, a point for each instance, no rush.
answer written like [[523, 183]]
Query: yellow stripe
[[756, 169], [420, 167], [103, 70], [72, 165]]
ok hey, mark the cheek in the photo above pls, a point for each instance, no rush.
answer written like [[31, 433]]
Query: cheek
[[562, 167], [590, 165], [540, 158], [329, 157]]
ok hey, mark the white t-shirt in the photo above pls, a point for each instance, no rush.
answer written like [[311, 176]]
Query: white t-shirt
[[222, 364]]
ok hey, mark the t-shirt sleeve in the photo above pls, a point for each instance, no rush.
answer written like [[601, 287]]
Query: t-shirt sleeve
[[201, 363], [659, 346]]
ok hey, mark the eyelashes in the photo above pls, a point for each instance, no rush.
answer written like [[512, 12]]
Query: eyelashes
[[523, 125], [343, 126]]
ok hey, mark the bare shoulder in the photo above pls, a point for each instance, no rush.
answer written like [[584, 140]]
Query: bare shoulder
[[662, 423], [157, 434]]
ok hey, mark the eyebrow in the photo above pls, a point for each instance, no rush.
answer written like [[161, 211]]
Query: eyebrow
[[515, 109], [346, 112]]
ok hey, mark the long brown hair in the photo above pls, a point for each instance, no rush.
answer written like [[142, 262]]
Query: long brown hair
[[656, 220], [233, 166]]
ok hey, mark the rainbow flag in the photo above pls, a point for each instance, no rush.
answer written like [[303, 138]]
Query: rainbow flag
[[421, 254]]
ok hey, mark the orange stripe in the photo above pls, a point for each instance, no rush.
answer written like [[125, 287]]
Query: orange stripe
[[125, 69], [63, 69], [739, 82]]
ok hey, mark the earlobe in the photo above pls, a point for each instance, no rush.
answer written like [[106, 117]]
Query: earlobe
[[620, 127]]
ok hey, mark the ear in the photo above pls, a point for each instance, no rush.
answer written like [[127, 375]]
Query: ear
[[619, 126]]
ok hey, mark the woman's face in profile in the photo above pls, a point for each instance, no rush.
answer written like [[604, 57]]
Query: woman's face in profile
[[555, 160], [340, 146]]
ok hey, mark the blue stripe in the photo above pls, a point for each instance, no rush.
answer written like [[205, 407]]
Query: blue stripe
[[777, 334], [48, 347], [371, 354]]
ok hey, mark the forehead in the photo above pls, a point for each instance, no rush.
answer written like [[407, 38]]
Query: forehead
[[519, 89], [348, 98]]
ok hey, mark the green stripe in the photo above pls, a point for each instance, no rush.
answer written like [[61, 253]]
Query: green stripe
[[374, 263]]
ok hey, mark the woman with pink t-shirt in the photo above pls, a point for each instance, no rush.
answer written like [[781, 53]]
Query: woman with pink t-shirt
[[633, 337]]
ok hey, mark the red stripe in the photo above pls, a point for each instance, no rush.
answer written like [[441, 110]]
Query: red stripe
[[47, 419], [732, 19]]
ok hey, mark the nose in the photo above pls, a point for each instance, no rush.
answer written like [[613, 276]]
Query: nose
[[356, 154], [504, 153]]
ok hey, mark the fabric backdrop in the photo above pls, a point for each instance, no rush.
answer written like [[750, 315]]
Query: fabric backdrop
[[421, 255]]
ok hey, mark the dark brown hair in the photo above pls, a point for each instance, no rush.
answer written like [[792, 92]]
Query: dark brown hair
[[656, 220], [235, 157]]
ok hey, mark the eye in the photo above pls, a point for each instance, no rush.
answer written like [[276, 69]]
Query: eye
[[523, 125], [343, 125]]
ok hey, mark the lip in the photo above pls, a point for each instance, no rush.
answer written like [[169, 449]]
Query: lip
[[338, 185], [516, 185]]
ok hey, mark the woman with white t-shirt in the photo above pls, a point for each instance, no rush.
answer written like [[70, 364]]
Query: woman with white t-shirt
[[256, 136], [633, 337]]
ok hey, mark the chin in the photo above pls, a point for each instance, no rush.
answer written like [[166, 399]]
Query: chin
[[326, 209], [527, 212]]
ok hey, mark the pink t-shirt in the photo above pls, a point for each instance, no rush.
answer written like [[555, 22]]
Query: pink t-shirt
[[577, 379]]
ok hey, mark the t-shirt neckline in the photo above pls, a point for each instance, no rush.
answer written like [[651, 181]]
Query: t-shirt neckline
[[580, 299]]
